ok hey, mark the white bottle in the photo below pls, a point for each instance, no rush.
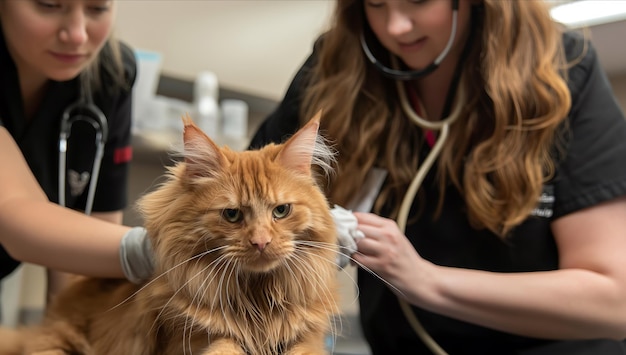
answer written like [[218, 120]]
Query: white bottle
[[207, 111], [234, 118]]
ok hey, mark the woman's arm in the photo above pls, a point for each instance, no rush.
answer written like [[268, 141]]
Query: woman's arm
[[34, 230], [116, 217], [58, 280], [585, 298]]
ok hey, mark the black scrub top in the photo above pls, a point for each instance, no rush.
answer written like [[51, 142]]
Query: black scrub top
[[39, 139], [593, 170]]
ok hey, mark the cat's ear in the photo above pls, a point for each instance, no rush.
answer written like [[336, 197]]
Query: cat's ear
[[297, 152], [203, 158]]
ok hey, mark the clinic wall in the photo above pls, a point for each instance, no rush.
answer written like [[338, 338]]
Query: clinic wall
[[254, 46]]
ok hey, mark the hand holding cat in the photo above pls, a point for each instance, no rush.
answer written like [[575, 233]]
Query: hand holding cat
[[136, 255]]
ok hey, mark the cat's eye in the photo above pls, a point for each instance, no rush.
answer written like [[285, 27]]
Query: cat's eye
[[281, 211], [232, 215]]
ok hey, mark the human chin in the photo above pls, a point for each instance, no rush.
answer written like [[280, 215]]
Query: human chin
[[64, 74], [417, 63]]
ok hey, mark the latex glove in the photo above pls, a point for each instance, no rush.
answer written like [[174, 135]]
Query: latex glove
[[347, 234], [136, 255]]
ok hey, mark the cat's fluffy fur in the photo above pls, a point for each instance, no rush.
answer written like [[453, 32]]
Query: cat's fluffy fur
[[245, 249]]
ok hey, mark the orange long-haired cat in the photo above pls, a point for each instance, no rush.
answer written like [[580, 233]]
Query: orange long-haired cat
[[245, 247]]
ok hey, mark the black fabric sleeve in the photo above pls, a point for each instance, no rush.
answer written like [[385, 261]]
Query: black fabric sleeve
[[285, 120], [594, 167], [112, 188]]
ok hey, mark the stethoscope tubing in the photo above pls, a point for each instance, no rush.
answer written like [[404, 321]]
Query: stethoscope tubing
[[90, 113], [443, 126], [405, 75]]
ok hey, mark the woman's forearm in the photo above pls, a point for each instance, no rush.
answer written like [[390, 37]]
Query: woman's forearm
[[584, 299], [561, 304], [32, 229], [46, 234]]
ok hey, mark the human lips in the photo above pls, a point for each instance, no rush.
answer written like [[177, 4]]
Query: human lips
[[412, 45], [69, 58]]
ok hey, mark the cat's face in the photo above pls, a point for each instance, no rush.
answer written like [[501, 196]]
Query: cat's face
[[255, 210], [245, 212]]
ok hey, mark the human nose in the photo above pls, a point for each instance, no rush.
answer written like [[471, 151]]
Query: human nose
[[399, 22], [74, 27]]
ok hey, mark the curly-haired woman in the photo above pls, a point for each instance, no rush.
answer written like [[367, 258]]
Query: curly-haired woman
[[498, 152]]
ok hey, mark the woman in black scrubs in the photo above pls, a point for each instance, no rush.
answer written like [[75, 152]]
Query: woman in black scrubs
[[52, 52], [515, 241]]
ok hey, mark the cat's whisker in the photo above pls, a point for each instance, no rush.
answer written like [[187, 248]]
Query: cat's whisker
[[255, 313], [165, 306], [219, 263], [322, 245], [197, 256], [333, 247], [231, 278], [336, 329], [189, 323], [301, 261], [318, 244], [220, 285], [184, 337], [330, 246], [378, 277], [256, 320], [326, 292], [224, 304], [209, 277], [222, 265], [288, 267]]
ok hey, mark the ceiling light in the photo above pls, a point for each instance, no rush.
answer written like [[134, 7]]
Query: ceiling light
[[589, 12]]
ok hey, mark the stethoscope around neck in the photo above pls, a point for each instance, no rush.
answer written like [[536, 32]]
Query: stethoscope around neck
[[82, 110], [443, 126]]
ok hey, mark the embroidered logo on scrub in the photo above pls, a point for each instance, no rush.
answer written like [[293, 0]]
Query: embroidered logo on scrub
[[77, 181], [546, 203]]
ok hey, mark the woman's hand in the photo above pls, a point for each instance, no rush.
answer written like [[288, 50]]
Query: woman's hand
[[585, 298], [386, 251]]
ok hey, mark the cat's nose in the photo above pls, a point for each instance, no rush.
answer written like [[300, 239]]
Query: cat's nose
[[261, 246], [260, 242]]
